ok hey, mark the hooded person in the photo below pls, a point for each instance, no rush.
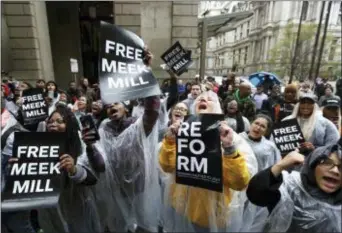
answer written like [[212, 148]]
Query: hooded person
[[192, 209], [305, 201], [267, 154], [317, 130]]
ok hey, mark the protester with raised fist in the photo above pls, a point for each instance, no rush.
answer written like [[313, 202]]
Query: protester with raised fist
[[315, 191]]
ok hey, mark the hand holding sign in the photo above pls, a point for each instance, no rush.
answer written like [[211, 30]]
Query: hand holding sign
[[68, 164], [148, 56], [306, 147], [226, 134]]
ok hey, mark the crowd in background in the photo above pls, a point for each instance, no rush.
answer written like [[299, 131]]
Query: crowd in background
[[125, 181]]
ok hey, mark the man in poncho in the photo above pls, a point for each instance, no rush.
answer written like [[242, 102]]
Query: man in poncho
[[129, 193]]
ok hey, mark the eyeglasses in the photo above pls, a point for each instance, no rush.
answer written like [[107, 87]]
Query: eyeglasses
[[181, 109], [59, 121], [330, 164]]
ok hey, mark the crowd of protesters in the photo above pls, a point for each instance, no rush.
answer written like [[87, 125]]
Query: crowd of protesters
[[125, 181]]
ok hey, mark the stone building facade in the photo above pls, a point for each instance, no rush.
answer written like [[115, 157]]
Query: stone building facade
[[247, 42], [39, 38]]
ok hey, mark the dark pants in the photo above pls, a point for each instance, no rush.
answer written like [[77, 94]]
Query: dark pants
[[17, 222], [34, 220]]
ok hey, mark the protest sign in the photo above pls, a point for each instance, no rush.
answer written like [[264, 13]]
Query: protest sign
[[199, 155], [122, 72], [287, 136], [177, 58], [34, 107], [33, 181]]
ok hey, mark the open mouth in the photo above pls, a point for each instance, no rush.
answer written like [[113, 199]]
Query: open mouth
[[178, 116], [331, 182], [202, 105]]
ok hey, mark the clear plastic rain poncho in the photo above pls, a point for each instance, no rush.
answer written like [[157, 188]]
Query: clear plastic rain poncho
[[221, 211], [77, 210], [128, 193], [304, 207], [267, 154]]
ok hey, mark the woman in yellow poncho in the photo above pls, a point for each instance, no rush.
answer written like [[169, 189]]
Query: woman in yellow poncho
[[192, 209]]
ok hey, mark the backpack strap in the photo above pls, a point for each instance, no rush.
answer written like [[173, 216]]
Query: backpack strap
[[6, 134]]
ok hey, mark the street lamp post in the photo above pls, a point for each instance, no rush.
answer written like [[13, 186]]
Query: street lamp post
[[323, 39], [316, 41], [203, 49], [297, 44]]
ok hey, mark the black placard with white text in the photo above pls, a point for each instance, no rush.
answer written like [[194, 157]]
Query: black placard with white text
[[34, 181], [287, 135], [199, 154], [177, 58], [122, 72], [34, 107]]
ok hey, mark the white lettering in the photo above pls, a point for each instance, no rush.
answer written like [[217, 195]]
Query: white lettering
[[118, 83], [130, 52], [183, 129], [193, 150], [195, 130], [54, 151], [109, 46], [202, 167], [32, 169], [18, 170], [18, 188], [32, 151], [182, 162], [21, 150], [43, 169], [120, 49], [122, 68], [182, 143]]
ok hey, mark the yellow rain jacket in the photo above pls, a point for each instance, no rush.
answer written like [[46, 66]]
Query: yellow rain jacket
[[196, 200]]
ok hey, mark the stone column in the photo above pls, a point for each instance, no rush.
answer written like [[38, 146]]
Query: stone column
[[29, 40], [156, 30], [266, 48], [185, 30], [270, 12]]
